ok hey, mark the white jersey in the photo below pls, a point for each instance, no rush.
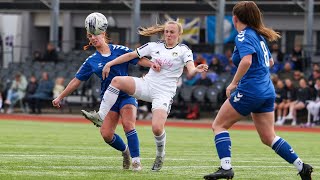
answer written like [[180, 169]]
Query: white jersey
[[172, 61]]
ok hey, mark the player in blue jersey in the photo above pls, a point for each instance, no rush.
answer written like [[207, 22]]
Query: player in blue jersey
[[254, 92], [125, 107]]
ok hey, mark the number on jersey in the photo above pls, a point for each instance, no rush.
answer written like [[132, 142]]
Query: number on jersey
[[265, 53]]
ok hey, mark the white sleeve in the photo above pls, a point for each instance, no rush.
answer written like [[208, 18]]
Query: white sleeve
[[144, 50], [187, 56]]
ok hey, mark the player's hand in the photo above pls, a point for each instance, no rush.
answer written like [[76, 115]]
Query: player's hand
[[105, 71], [56, 102], [231, 87], [201, 68], [156, 67]]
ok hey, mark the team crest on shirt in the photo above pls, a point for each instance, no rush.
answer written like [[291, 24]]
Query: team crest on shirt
[[174, 54], [100, 65]]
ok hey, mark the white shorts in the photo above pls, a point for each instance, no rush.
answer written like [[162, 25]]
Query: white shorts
[[145, 92]]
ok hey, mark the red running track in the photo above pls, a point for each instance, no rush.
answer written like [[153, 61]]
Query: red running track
[[189, 124]]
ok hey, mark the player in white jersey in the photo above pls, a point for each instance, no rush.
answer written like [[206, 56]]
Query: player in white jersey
[[156, 87]]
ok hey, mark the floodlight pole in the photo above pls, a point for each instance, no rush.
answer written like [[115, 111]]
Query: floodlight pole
[[54, 25], [135, 15], [218, 48], [308, 30]]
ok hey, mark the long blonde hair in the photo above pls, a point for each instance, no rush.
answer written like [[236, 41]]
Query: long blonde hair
[[248, 13], [159, 29]]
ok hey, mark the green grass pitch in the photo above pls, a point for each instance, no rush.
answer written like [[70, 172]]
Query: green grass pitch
[[49, 150]]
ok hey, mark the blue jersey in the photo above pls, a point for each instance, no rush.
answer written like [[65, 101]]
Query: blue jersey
[[95, 63], [256, 82]]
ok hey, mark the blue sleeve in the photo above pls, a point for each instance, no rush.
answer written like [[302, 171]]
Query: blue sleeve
[[84, 72], [244, 45]]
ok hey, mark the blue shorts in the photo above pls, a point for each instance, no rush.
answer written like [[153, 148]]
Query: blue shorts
[[122, 101], [245, 104]]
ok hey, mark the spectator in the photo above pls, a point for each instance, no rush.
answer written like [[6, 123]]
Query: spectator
[[230, 67], [279, 102], [274, 79], [199, 60], [302, 95], [204, 80], [31, 89], [58, 87], [224, 59], [16, 91], [290, 96], [37, 56], [313, 106], [296, 58], [215, 65], [287, 72], [43, 92], [277, 56], [315, 75], [297, 75], [50, 54]]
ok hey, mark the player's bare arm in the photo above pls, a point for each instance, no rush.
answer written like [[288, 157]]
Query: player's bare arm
[[192, 70], [119, 60], [73, 85], [145, 62]]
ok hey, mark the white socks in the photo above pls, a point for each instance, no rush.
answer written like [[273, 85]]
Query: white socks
[[109, 98], [161, 143], [226, 163], [298, 164]]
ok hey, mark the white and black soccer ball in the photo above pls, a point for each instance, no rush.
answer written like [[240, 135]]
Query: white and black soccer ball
[[96, 23]]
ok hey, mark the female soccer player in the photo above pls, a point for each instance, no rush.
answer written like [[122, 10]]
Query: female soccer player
[[254, 92], [156, 87], [125, 106]]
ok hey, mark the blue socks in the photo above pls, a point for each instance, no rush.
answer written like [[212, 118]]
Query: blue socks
[[223, 144], [133, 143], [281, 147], [117, 143]]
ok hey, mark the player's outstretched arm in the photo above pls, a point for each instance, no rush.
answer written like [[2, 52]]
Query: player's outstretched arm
[[119, 60], [145, 62], [73, 85], [192, 70]]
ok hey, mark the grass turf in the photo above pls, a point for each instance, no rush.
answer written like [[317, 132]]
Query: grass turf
[[48, 150]]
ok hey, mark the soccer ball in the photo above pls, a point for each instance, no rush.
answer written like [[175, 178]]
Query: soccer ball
[[96, 23]]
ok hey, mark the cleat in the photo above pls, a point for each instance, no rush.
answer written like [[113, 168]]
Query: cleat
[[136, 166], [306, 171], [157, 165], [126, 159], [92, 116], [220, 174]]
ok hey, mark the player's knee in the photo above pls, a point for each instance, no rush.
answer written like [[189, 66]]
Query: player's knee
[[266, 140], [106, 135], [128, 126], [116, 82], [216, 127], [157, 130]]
